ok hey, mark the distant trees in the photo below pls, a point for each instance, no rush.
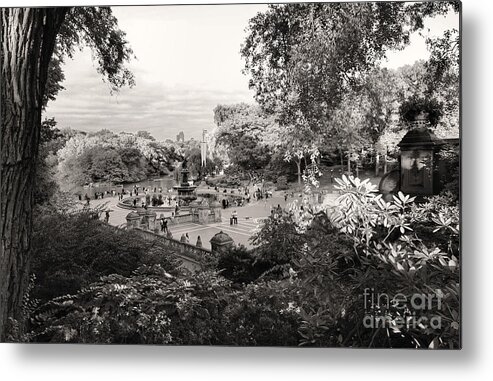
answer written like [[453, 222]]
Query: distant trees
[[51, 141], [193, 156], [106, 156], [244, 131], [145, 135]]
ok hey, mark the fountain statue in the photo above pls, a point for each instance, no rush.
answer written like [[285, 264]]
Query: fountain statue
[[186, 192]]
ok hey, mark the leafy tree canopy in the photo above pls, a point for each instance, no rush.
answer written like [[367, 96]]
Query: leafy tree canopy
[[302, 58]]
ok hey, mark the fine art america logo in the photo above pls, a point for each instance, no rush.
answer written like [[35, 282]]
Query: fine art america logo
[[400, 311]]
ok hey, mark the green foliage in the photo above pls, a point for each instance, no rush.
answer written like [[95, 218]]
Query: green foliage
[[73, 250], [413, 106], [242, 129], [278, 241], [450, 156], [97, 28], [240, 265], [150, 307], [105, 156], [301, 57]]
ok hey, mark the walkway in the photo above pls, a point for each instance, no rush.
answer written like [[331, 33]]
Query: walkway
[[240, 232], [249, 219]]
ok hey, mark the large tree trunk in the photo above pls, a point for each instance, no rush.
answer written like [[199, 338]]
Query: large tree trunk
[[27, 42]]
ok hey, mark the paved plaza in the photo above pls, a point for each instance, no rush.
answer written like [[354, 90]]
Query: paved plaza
[[240, 232], [249, 218]]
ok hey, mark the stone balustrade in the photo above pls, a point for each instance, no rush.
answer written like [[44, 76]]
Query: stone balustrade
[[191, 255]]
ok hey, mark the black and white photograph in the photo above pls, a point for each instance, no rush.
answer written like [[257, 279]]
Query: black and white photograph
[[238, 175]]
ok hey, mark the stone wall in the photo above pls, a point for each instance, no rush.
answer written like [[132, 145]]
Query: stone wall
[[180, 219], [192, 256]]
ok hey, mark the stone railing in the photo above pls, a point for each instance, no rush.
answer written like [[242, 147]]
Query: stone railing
[[181, 218], [190, 254]]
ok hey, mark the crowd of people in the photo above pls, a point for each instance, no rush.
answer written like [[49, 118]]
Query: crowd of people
[[237, 197]]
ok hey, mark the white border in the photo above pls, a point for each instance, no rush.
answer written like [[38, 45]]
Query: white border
[[89, 362]]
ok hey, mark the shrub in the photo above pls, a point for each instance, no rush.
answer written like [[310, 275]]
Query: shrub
[[450, 156], [73, 250], [240, 266], [263, 314], [150, 307], [278, 241], [394, 259]]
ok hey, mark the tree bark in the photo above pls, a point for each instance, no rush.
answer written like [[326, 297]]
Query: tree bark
[[27, 40], [377, 164]]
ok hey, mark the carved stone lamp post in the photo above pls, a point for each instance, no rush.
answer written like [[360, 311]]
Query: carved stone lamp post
[[419, 162]]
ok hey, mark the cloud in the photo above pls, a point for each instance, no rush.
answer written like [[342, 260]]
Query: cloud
[[164, 111]]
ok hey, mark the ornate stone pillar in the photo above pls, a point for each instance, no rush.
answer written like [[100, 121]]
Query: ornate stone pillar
[[133, 220]]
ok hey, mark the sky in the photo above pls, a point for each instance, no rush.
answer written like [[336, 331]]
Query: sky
[[187, 62]]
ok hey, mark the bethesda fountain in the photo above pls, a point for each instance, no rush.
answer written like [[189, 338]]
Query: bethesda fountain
[[186, 192]]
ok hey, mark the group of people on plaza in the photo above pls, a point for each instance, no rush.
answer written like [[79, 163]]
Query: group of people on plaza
[[242, 196], [134, 191]]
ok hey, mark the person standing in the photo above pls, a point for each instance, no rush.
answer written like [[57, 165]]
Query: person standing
[[107, 216], [199, 242]]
